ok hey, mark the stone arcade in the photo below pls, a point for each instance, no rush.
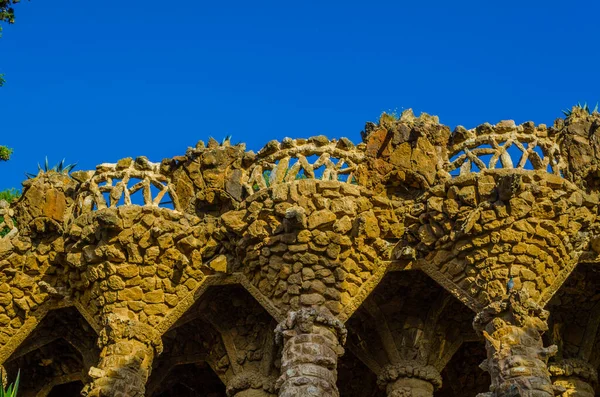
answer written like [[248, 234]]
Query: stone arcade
[[315, 268]]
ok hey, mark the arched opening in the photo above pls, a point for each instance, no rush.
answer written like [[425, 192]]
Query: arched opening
[[223, 334], [573, 324], [59, 352], [409, 321]]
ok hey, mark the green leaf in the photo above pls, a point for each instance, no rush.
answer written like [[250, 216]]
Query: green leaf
[[59, 167], [12, 389], [69, 167], [17, 383]]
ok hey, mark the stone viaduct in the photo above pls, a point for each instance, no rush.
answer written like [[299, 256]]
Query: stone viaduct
[[420, 262]]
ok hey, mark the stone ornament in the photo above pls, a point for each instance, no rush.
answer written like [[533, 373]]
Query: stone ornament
[[517, 360]]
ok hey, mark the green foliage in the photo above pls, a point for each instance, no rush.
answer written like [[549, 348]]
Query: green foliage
[[11, 391], [61, 168], [5, 230], [10, 195], [7, 13], [584, 107], [5, 153]]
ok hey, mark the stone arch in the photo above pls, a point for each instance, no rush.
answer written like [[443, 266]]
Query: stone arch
[[234, 346], [408, 325], [574, 326], [59, 351], [190, 342], [479, 229], [33, 320]]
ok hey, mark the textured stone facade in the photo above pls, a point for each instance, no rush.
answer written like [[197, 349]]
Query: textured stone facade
[[420, 262]]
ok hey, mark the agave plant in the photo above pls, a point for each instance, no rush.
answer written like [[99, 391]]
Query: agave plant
[[11, 391], [585, 108], [226, 139], [61, 168]]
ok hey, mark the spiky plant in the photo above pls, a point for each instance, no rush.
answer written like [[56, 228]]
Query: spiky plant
[[227, 139], [61, 168], [11, 390], [583, 107]]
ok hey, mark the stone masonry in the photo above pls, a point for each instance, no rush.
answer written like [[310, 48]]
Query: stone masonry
[[421, 262]]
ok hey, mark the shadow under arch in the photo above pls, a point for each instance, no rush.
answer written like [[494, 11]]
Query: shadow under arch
[[67, 389], [574, 326], [462, 375], [191, 380], [409, 321], [59, 351], [355, 379], [226, 332]]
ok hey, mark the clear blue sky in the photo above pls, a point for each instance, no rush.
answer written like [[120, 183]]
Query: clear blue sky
[[95, 82]]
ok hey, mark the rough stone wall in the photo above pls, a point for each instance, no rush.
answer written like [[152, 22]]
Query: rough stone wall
[[312, 264]]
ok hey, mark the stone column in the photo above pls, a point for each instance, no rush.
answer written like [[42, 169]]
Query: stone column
[[516, 357], [128, 349], [409, 379], [251, 384], [575, 377], [312, 342]]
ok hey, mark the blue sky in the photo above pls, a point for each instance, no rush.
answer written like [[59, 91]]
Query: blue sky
[[95, 82]]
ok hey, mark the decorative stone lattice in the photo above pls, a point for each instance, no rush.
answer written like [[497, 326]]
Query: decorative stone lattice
[[115, 184], [488, 147], [289, 160]]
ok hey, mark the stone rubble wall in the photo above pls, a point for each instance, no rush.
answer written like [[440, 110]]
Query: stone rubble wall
[[305, 224]]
